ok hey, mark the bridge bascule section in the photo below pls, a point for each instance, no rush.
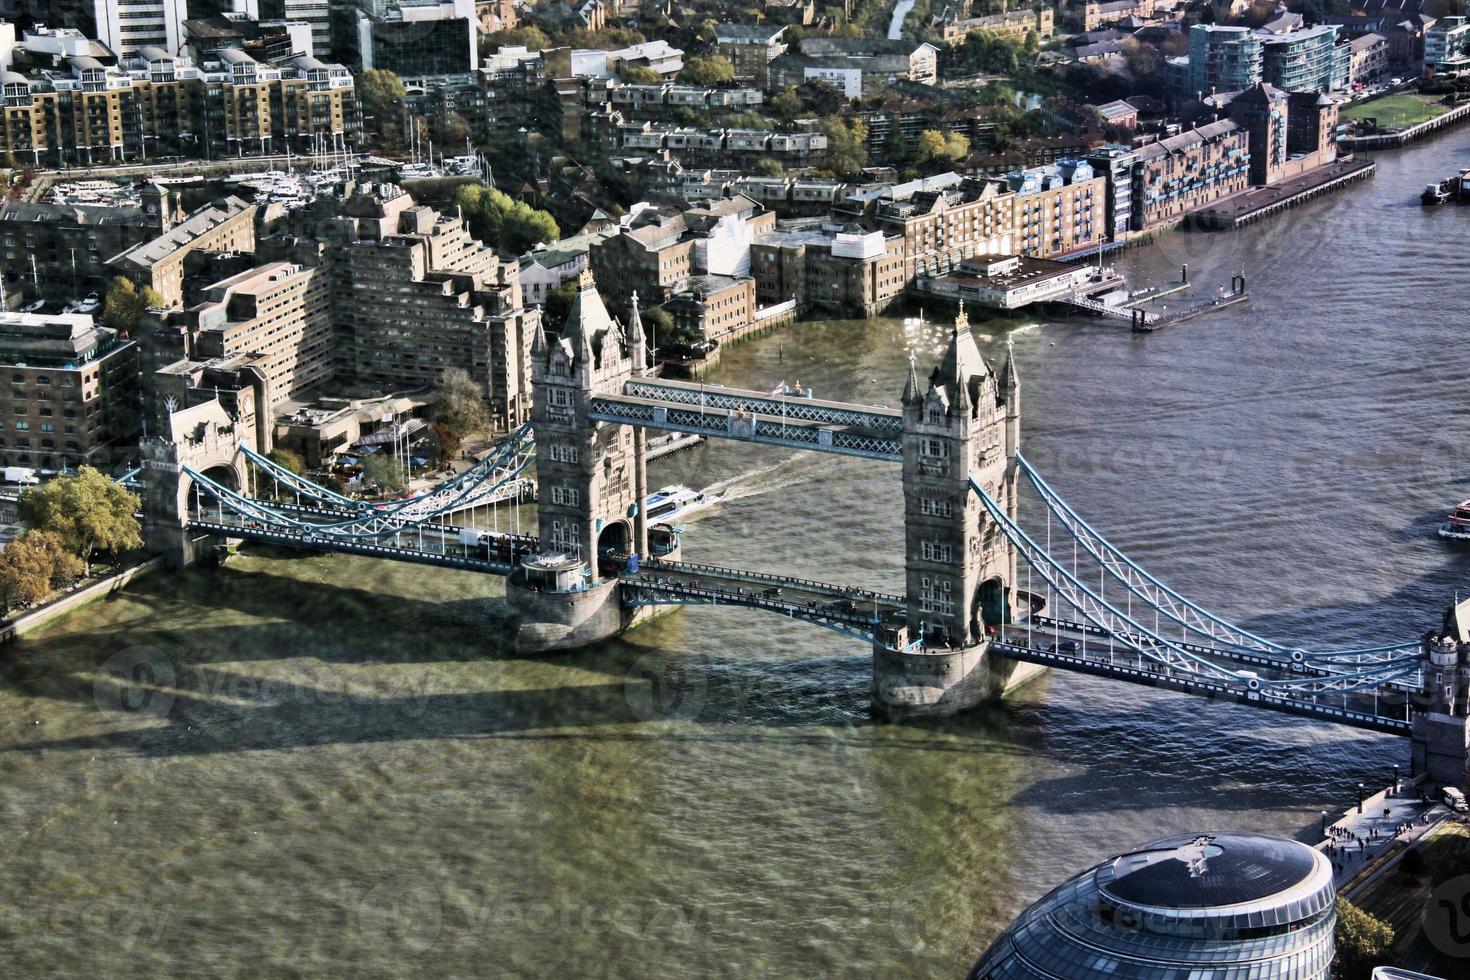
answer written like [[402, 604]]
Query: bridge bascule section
[[988, 600]]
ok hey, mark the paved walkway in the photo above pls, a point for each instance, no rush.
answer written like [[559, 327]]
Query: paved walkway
[[1367, 844]]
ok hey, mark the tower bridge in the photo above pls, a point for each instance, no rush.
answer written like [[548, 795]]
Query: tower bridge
[[987, 600]]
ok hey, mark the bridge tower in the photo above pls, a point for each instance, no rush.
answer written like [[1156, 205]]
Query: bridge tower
[[591, 477], [1440, 737], [960, 569]]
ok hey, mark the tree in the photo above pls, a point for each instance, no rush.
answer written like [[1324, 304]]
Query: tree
[[125, 304], [707, 70], [768, 167], [89, 512], [380, 93], [847, 151], [383, 471], [935, 145], [1363, 941], [640, 75], [287, 460], [659, 326], [459, 406], [496, 219], [559, 304], [34, 565]]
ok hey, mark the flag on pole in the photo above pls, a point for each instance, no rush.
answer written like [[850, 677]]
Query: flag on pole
[[780, 389]]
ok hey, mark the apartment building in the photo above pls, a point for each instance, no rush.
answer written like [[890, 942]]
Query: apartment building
[[1014, 24], [715, 307], [68, 393], [227, 225], [1195, 168], [750, 48], [1058, 209], [158, 104], [1447, 45], [940, 220], [857, 273]]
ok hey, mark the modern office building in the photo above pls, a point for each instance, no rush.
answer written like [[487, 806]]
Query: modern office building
[[68, 393], [1223, 58], [1206, 905], [127, 25], [413, 38], [1307, 60]]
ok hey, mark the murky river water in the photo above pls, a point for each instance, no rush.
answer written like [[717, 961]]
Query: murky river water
[[349, 776]]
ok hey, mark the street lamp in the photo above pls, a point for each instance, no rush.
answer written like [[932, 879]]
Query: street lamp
[[1360, 797], [1324, 823], [1395, 779]]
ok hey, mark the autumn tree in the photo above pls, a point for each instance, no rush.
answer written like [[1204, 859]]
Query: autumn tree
[[383, 471], [847, 150], [459, 404], [125, 304], [88, 512], [34, 565]]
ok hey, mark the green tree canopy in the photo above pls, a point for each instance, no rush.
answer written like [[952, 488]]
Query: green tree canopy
[[89, 512], [459, 404], [383, 471], [1363, 941], [497, 219], [125, 304], [380, 93], [287, 460], [710, 69], [639, 75], [847, 151]]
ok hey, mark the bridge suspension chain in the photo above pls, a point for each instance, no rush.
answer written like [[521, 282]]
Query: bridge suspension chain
[[1150, 644], [1170, 603]]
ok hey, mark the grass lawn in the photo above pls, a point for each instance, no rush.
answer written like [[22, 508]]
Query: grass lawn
[[1397, 111]]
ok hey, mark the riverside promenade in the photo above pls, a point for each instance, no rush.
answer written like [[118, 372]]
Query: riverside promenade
[[1239, 210], [1365, 842]]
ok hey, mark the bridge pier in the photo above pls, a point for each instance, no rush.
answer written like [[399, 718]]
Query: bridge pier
[[1440, 747], [936, 683]]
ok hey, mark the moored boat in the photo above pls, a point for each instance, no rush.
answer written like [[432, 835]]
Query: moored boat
[[1458, 524]]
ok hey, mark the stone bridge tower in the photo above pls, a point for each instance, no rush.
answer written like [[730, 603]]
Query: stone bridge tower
[[960, 569], [591, 479], [202, 428]]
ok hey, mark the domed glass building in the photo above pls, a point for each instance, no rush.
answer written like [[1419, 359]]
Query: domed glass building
[[1203, 907]]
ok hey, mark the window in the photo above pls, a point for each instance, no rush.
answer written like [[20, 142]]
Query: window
[[566, 496], [934, 551], [563, 454], [934, 507], [934, 448], [559, 398]]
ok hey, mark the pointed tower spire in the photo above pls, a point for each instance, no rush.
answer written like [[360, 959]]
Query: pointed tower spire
[[538, 338], [962, 319], [911, 392], [1009, 379], [637, 345]]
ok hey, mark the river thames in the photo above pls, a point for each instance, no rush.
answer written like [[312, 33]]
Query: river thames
[[349, 775]]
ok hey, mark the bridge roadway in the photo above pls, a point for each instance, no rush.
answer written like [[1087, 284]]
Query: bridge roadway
[[1076, 648], [867, 431], [851, 611]]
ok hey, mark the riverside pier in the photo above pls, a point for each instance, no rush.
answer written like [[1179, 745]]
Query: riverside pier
[[1247, 207]]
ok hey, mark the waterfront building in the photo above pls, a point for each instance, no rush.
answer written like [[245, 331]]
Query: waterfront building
[[750, 47], [70, 393], [940, 220], [1224, 904], [1262, 113], [1446, 44], [1058, 209], [1175, 175], [715, 307], [157, 104], [1223, 58], [857, 273], [1306, 60], [1115, 165]]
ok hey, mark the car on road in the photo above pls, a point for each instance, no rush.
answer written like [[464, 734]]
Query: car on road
[[842, 606], [772, 593]]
